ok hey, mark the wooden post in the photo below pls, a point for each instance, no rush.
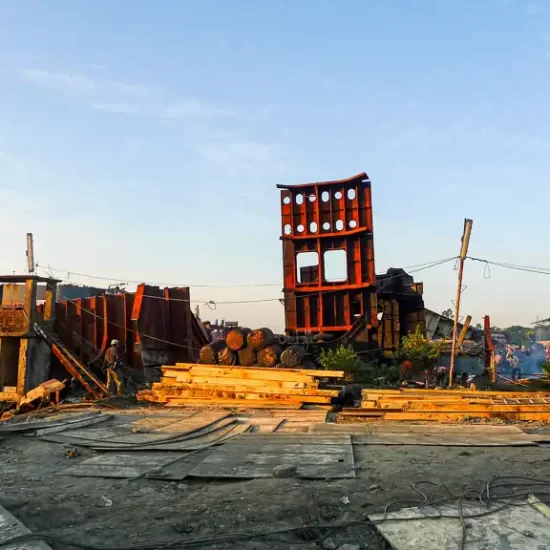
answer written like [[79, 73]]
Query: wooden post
[[463, 253], [30, 253], [463, 332], [51, 297]]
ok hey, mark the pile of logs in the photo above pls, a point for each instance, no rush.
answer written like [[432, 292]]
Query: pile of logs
[[246, 347]]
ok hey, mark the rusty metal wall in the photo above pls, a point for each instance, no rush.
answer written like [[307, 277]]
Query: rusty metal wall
[[322, 218], [154, 326], [402, 306]]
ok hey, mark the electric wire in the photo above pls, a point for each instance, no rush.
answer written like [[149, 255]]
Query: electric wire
[[517, 267], [223, 285], [214, 303], [496, 495]]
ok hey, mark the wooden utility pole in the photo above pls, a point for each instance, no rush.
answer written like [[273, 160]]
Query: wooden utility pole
[[30, 253], [463, 253]]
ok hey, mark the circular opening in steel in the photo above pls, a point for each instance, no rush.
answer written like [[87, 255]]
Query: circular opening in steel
[[326, 226], [300, 228], [339, 225], [338, 195], [288, 229], [286, 200], [299, 199], [312, 198], [313, 227], [325, 196], [353, 224], [351, 194]]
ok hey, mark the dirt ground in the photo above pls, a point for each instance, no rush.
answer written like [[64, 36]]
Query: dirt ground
[[33, 488]]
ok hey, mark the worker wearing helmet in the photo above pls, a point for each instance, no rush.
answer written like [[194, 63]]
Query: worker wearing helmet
[[113, 364]]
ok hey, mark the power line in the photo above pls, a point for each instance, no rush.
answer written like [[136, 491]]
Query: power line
[[526, 268], [223, 285], [215, 303], [103, 278]]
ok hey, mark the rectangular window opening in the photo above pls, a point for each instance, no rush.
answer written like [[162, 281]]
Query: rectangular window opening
[[307, 267], [335, 266]]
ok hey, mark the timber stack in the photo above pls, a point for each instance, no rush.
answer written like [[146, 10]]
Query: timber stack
[[192, 384], [246, 347], [451, 405]]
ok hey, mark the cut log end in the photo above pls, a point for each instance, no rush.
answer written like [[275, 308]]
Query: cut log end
[[236, 338], [292, 356], [247, 357], [209, 353], [269, 356], [227, 357], [260, 338]]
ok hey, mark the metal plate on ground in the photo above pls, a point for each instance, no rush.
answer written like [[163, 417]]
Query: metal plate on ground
[[122, 436], [462, 435], [517, 527], [11, 528], [179, 469], [120, 465], [256, 455]]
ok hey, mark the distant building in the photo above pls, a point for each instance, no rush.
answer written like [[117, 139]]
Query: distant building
[[74, 292], [440, 327]]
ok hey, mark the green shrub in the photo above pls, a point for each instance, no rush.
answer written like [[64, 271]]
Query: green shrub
[[355, 370], [419, 350], [342, 358]]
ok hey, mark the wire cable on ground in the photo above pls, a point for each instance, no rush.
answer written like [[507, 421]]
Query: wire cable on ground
[[496, 495]]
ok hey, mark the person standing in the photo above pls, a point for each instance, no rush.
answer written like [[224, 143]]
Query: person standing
[[516, 373], [114, 367]]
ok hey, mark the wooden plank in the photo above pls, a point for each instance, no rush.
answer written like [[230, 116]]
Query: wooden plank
[[214, 393], [323, 373], [229, 394], [245, 403], [432, 393], [249, 382], [449, 416], [176, 388], [472, 407], [374, 413], [243, 370], [250, 373]]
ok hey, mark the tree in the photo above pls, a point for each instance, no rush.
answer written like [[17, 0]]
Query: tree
[[519, 336], [448, 313], [419, 350]]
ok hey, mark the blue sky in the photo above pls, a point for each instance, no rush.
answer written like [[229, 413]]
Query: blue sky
[[144, 139]]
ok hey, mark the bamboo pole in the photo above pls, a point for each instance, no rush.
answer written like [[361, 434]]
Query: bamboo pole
[[462, 258]]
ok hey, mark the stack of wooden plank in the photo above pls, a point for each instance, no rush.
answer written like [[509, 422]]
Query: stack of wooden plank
[[451, 405], [196, 384]]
